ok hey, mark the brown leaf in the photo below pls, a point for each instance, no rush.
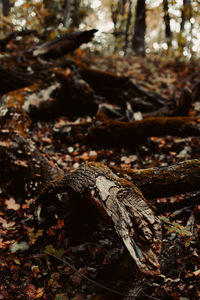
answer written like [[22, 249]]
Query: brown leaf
[[30, 291]]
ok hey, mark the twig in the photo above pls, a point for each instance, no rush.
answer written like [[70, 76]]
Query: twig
[[92, 281]]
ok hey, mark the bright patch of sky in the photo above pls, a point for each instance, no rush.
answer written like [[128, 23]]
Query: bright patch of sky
[[95, 4], [153, 3], [103, 21], [19, 2]]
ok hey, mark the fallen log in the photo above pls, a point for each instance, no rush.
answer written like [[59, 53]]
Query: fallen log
[[64, 44], [107, 132], [12, 80], [176, 107], [165, 181], [119, 89], [13, 35], [122, 205], [62, 93], [25, 171], [112, 132]]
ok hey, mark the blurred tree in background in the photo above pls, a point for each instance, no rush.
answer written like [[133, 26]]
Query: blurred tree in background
[[127, 27], [138, 42]]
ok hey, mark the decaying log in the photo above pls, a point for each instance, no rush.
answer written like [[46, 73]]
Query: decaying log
[[196, 92], [12, 80], [26, 171], [4, 42], [165, 181], [120, 89], [120, 202], [112, 132], [176, 107], [64, 44], [123, 206], [109, 132], [80, 84], [62, 93], [189, 200]]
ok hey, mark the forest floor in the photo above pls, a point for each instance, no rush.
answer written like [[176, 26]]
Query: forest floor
[[27, 269]]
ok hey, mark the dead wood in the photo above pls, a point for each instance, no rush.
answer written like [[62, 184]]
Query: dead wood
[[123, 206], [119, 89], [165, 181], [13, 35], [12, 80], [188, 200], [196, 92], [82, 87], [26, 171], [62, 93], [109, 132], [64, 44], [113, 132], [176, 107]]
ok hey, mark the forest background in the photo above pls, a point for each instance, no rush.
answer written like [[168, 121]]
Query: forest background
[[130, 99]]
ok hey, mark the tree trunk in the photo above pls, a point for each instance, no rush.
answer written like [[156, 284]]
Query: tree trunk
[[138, 41], [6, 7], [128, 23], [166, 17], [186, 13]]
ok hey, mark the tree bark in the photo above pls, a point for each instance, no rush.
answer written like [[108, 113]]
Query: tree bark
[[124, 207], [128, 23], [186, 13], [166, 181], [24, 170], [107, 131], [6, 7], [138, 41], [166, 18]]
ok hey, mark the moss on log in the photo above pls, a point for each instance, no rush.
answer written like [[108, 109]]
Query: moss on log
[[107, 131], [165, 181]]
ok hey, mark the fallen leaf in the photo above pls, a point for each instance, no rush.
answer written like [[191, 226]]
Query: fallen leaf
[[19, 246], [11, 204], [30, 291]]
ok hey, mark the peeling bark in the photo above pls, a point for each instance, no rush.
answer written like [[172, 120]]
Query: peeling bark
[[123, 206]]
